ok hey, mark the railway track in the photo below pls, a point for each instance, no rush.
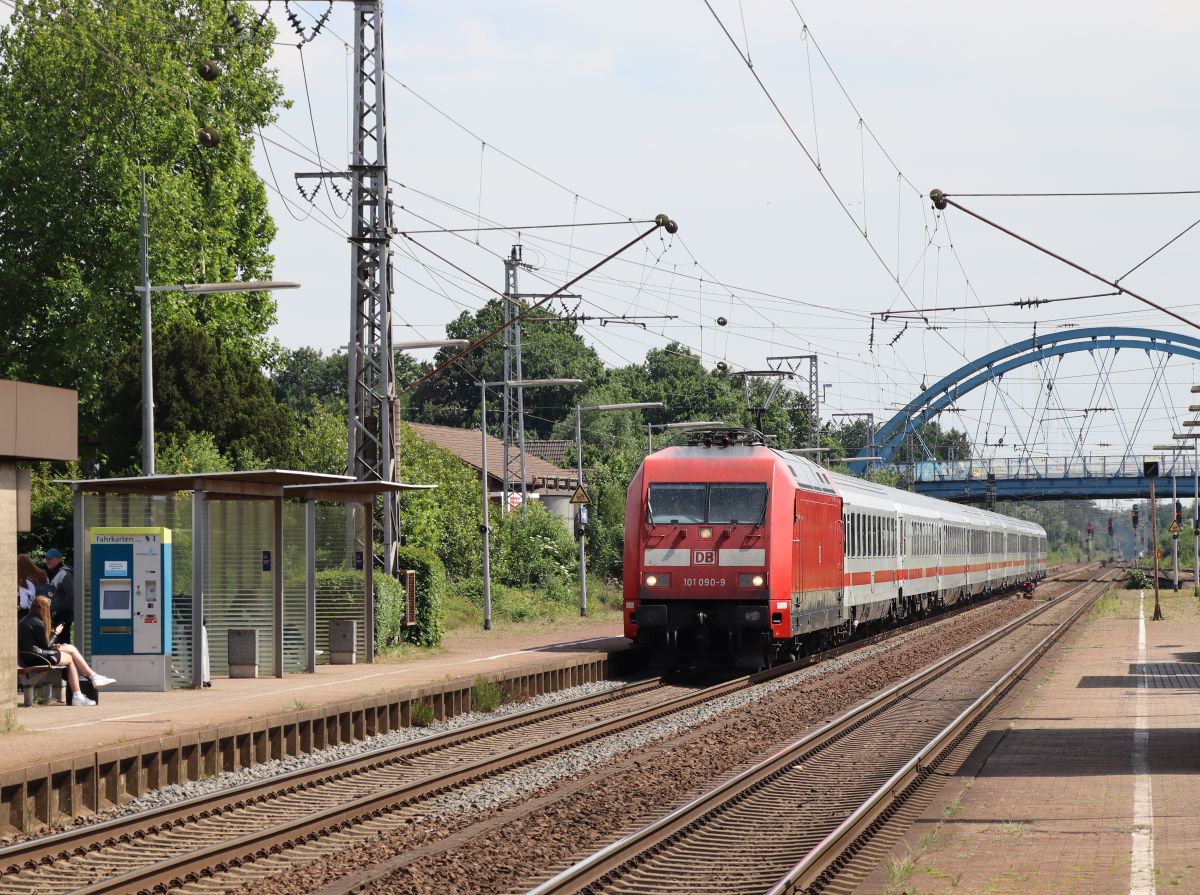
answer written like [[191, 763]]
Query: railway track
[[185, 842], [822, 798]]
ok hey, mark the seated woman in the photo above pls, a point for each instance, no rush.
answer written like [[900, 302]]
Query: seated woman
[[29, 579], [36, 646]]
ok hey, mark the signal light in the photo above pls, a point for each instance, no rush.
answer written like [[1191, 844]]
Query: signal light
[[1110, 527], [1178, 512], [1135, 518]]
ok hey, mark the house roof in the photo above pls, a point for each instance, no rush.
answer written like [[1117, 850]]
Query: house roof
[[552, 450], [465, 444]]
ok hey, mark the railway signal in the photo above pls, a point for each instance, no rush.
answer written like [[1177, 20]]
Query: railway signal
[[1110, 526], [1135, 518]]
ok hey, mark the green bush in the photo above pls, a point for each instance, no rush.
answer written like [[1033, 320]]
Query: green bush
[[486, 696], [431, 594], [533, 549], [391, 600], [391, 604], [1136, 579]]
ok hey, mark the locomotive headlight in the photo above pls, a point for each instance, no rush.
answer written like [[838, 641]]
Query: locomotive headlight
[[706, 533], [757, 580], [651, 580], [659, 580], [747, 579]]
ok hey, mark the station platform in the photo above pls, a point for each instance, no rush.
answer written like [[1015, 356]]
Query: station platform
[[148, 739], [1086, 779]]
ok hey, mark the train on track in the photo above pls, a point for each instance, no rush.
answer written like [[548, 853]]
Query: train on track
[[737, 551]]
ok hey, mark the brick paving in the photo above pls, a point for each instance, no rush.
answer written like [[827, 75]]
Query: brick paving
[[56, 731], [1044, 802]]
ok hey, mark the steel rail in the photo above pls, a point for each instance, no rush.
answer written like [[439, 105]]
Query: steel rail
[[594, 869], [86, 839], [32, 852], [818, 866]]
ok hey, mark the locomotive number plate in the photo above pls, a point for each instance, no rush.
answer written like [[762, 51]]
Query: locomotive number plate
[[704, 557], [703, 582]]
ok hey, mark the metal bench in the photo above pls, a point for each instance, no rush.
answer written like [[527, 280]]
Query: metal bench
[[44, 681]]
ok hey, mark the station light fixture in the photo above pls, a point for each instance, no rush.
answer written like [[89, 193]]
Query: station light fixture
[[431, 343]]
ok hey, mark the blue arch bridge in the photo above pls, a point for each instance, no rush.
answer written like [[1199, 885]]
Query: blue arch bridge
[[1030, 477]]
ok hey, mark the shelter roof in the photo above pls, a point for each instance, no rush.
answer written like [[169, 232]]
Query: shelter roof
[[247, 483], [349, 492]]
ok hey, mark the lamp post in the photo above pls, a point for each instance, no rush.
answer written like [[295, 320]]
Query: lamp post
[[485, 529], [147, 291], [581, 518], [694, 424]]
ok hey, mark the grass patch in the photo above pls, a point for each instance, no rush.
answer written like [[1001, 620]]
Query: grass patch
[[1013, 828], [10, 724], [463, 606], [951, 811], [486, 696], [422, 714], [899, 873]]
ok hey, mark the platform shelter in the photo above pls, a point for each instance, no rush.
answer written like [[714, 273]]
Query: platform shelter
[[266, 549]]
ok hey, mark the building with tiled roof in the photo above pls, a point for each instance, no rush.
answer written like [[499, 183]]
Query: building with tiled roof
[[550, 484], [552, 450]]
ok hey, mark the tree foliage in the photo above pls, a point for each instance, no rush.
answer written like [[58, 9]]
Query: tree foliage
[[92, 94], [548, 351], [201, 384]]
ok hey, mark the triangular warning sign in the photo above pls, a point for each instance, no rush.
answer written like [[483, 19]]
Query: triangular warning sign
[[1174, 528], [580, 496]]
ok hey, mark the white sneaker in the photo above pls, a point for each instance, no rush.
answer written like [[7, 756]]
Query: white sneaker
[[80, 699], [101, 680]]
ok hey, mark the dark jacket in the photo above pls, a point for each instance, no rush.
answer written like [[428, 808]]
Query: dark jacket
[[63, 581], [32, 639]]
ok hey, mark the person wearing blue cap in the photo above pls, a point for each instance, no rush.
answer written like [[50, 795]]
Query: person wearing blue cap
[[62, 603]]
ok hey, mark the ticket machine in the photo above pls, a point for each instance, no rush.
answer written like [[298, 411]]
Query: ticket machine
[[130, 623]]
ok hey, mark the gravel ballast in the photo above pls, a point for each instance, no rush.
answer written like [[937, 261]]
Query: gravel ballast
[[552, 810]]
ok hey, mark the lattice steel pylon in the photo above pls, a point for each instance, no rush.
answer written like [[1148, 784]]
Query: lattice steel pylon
[[372, 377], [792, 363], [514, 397]]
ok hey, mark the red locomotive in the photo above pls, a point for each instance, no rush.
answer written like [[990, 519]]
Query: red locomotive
[[735, 549]]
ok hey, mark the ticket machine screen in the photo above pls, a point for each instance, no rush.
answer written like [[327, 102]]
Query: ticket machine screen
[[116, 600]]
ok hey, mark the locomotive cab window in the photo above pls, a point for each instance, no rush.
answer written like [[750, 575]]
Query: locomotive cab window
[[733, 502], [724, 503], [671, 503]]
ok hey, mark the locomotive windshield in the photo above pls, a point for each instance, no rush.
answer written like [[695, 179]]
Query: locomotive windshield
[[676, 504], [729, 503], [723, 503]]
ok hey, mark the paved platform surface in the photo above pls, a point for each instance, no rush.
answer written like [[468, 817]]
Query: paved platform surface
[[55, 730], [1086, 781]]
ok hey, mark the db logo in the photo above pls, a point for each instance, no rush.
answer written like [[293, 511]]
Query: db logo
[[704, 557]]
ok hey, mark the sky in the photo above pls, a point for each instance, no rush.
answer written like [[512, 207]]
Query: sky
[[534, 113]]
